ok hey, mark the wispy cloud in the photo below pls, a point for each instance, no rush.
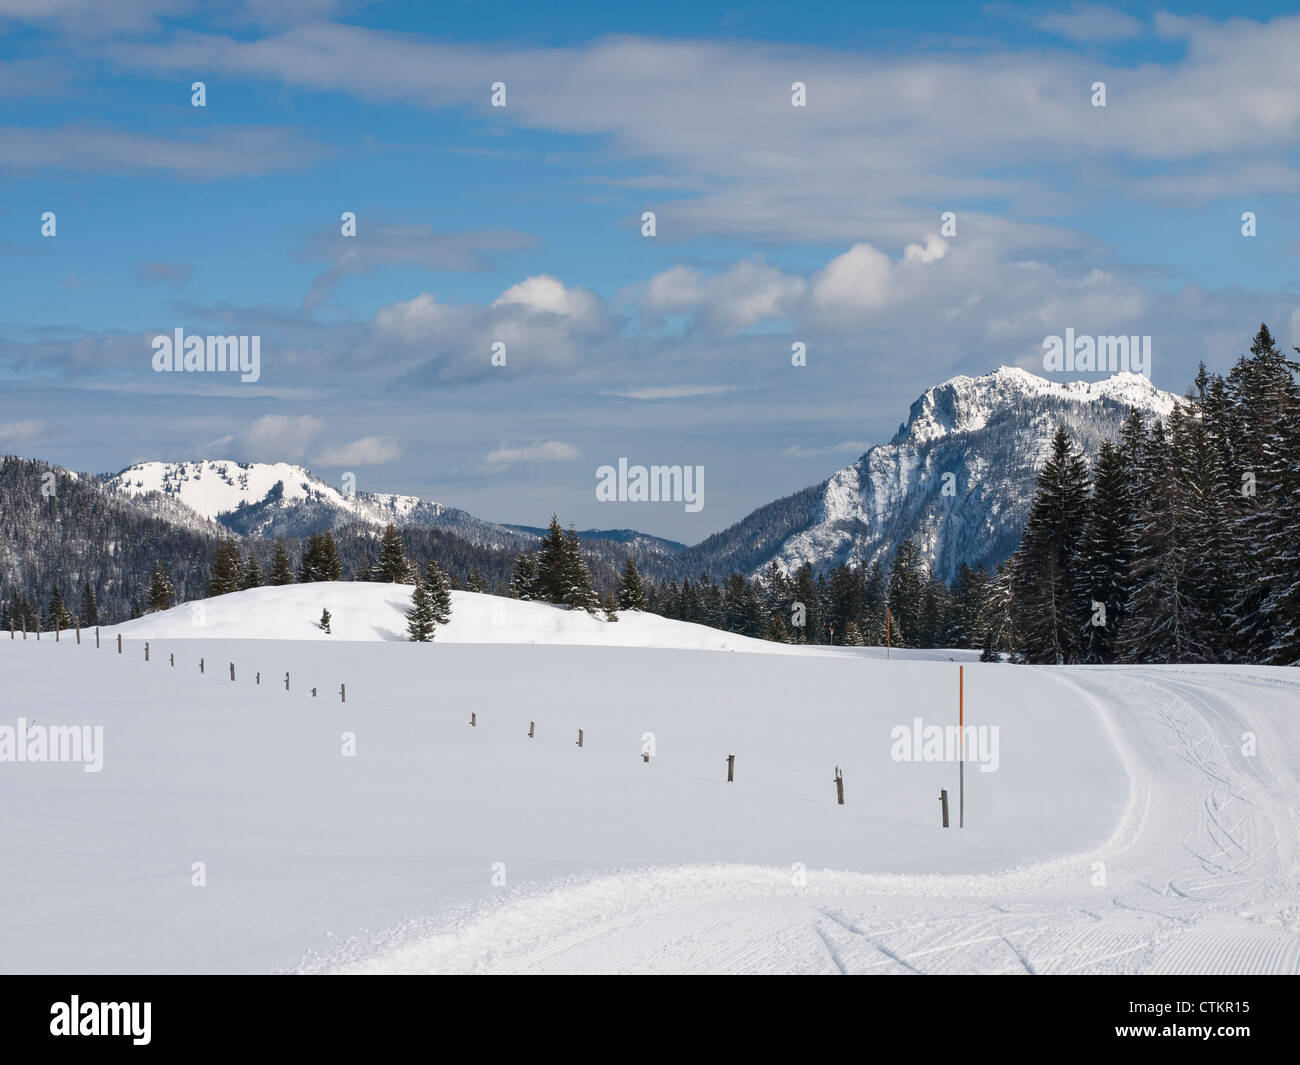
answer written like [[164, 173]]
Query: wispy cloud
[[847, 447], [550, 451], [21, 432], [675, 392]]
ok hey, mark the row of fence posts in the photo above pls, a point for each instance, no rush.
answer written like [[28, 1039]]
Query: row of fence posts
[[343, 688], [645, 755]]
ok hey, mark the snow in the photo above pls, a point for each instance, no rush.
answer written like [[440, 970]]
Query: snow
[[361, 611], [975, 429], [211, 487], [384, 862]]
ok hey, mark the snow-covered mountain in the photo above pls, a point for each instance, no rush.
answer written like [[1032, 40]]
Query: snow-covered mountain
[[269, 499], [958, 477]]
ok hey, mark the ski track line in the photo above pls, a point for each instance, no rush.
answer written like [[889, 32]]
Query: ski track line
[[1201, 867]]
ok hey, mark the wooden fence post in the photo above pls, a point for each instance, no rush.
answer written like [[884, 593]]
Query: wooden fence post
[[172, 659], [96, 637], [119, 643], [259, 677], [731, 768], [645, 756], [56, 630], [343, 693], [530, 729], [579, 737], [313, 693], [78, 632], [201, 669], [943, 801], [839, 786], [146, 650], [473, 719], [232, 671], [286, 680]]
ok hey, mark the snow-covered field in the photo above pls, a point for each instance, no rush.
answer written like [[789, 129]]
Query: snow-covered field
[[1123, 830]]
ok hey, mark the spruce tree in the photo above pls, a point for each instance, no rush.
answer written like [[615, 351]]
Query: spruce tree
[[579, 593], [59, 616], [227, 569], [88, 612], [474, 583], [420, 622], [776, 630], [610, 606], [252, 575], [631, 593], [330, 566], [1106, 555], [392, 559], [1050, 594], [553, 564], [161, 593], [281, 566], [435, 578], [1163, 622], [523, 580], [325, 621]]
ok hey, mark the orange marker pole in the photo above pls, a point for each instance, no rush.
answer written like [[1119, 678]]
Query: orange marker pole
[[961, 746]]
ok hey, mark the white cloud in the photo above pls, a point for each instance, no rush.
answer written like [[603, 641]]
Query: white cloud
[[747, 293], [847, 447], [21, 432], [857, 280], [411, 321], [550, 451], [548, 295], [366, 451], [279, 437], [676, 392], [1089, 22]]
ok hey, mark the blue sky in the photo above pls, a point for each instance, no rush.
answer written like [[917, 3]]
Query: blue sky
[[475, 224]]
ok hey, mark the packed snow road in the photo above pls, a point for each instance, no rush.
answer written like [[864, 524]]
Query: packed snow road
[[1200, 875]]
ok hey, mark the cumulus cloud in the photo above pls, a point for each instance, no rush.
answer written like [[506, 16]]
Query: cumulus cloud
[[278, 437], [750, 292], [548, 295], [366, 451]]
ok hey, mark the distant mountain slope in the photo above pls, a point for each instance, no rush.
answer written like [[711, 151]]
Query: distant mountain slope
[[271, 499], [64, 529], [989, 433]]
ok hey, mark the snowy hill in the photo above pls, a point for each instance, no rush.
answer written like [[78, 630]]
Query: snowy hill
[[362, 611], [958, 477]]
